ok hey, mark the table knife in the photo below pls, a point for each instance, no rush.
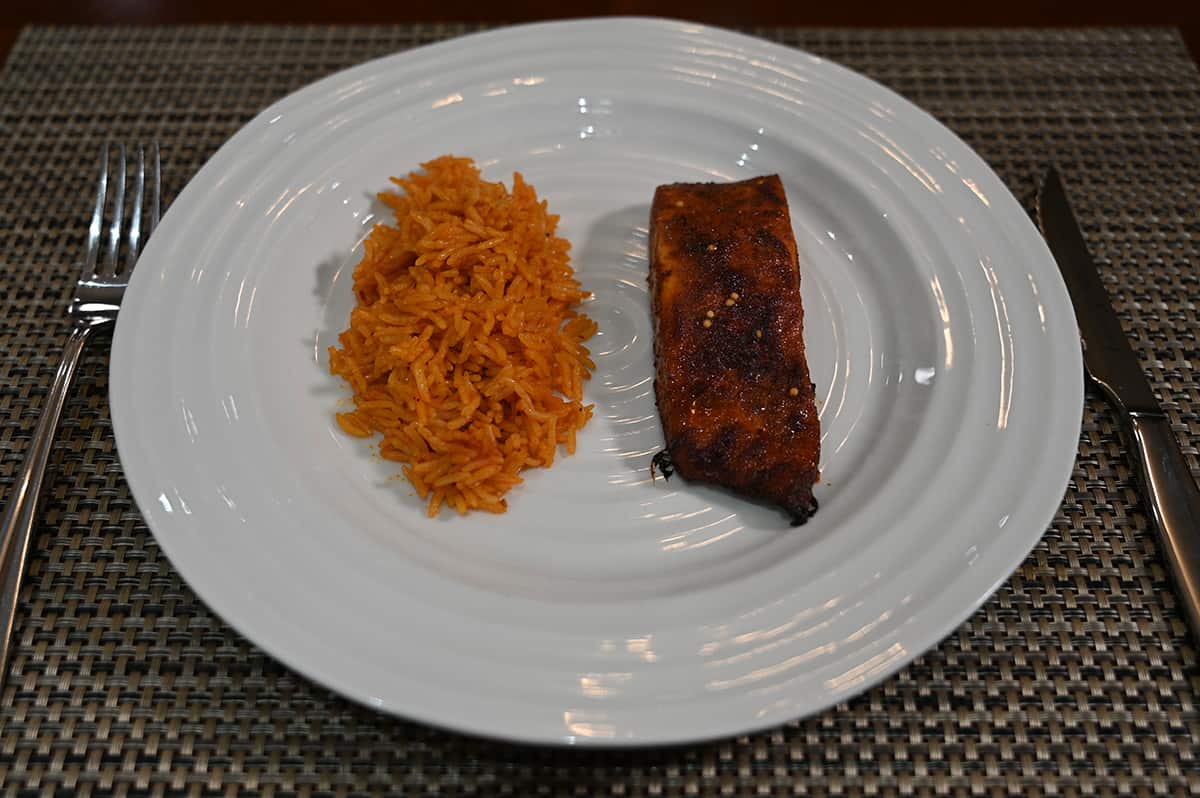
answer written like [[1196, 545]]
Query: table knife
[[1110, 362]]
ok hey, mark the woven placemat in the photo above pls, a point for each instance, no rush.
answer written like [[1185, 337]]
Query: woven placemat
[[1076, 678]]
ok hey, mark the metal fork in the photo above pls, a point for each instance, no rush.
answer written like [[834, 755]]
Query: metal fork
[[97, 299]]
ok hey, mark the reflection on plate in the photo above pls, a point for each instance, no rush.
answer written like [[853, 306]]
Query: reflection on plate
[[603, 608]]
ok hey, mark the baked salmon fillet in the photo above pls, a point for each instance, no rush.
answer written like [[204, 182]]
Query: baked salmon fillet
[[731, 380]]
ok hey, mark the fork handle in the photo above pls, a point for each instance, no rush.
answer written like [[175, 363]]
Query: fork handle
[[20, 510]]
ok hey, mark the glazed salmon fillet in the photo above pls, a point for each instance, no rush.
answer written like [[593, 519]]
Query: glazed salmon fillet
[[731, 379]]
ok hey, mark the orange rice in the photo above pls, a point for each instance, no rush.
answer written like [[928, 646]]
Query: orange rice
[[465, 349]]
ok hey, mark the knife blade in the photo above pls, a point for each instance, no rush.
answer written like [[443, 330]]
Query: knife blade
[[1110, 360], [1111, 363]]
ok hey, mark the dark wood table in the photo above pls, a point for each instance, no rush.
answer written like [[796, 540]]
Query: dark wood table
[[1185, 15]]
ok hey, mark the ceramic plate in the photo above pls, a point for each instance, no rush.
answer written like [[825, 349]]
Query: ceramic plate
[[604, 607]]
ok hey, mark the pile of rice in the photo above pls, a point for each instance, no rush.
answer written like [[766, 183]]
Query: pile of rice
[[465, 349]]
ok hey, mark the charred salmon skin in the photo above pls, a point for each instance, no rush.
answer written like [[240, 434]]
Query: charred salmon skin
[[731, 378]]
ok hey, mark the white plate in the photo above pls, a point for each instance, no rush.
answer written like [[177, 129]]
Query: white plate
[[602, 608]]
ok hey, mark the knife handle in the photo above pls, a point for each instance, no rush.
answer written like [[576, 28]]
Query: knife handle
[[1175, 504]]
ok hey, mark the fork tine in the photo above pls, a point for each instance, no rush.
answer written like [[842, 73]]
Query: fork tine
[[93, 242], [156, 185], [135, 211], [114, 229]]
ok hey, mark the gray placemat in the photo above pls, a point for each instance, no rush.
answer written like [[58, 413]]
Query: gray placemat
[[1076, 678]]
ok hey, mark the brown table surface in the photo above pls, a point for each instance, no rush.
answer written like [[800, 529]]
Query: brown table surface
[[1076, 678], [1182, 14]]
